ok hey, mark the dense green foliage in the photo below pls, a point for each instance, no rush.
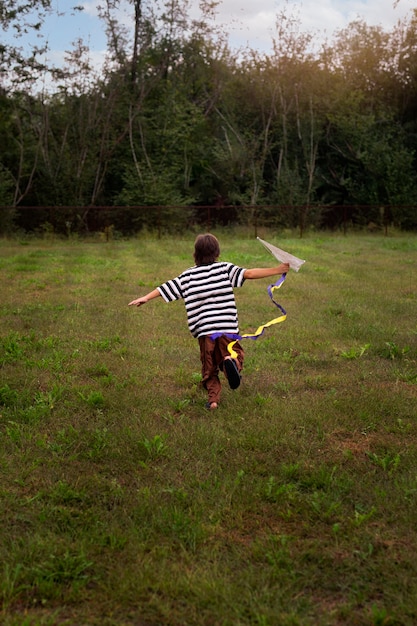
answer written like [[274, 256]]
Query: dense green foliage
[[300, 137], [126, 503]]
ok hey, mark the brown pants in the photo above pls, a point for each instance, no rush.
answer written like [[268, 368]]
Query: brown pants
[[212, 355]]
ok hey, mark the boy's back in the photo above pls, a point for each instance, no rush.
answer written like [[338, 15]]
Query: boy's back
[[207, 291]]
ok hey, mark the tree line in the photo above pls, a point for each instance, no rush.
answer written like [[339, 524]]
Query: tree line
[[305, 136]]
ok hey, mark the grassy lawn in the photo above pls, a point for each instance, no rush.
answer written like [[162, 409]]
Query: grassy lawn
[[125, 502]]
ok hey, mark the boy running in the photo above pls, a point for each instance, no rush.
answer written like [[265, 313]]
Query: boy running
[[207, 291]]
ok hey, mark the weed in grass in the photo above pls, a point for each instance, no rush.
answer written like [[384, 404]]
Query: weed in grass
[[110, 493], [392, 351], [98, 371], [361, 516], [403, 427], [324, 505], [10, 585], [364, 553], [30, 411], [355, 353], [182, 376], [291, 471], [63, 493], [51, 576], [14, 432], [49, 398], [276, 492], [381, 617], [179, 406], [278, 555], [179, 494], [33, 414], [8, 396], [154, 447], [181, 527], [409, 488], [261, 400], [317, 383], [320, 478], [65, 442], [11, 349], [94, 399], [409, 376], [196, 378], [115, 541], [99, 441], [106, 344], [389, 462], [230, 491], [336, 531]]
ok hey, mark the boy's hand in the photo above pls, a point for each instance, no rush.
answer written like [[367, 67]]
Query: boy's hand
[[284, 268], [144, 299], [138, 301]]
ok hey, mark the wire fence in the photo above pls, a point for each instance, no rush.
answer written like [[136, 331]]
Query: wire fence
[[128, 220]]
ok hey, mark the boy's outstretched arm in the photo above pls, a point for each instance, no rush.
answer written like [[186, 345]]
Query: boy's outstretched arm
[[263, 272], [144, 299]]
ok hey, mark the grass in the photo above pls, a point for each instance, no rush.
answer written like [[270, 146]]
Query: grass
[[125, 502]]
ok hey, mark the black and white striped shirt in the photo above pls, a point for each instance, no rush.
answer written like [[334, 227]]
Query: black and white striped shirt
[[207, 291]]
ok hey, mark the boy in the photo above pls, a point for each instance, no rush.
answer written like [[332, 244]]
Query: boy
[[207, 291]]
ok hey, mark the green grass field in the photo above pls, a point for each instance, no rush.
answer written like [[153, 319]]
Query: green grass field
[[125, 502]]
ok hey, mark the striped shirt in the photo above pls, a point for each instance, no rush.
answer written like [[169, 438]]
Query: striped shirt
[[207, 291]]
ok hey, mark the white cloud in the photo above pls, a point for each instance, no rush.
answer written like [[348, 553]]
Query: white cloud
[[90, 8], [252, 22]]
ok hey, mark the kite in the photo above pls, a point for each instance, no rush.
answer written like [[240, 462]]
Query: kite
[[295, 264], [283, 256]]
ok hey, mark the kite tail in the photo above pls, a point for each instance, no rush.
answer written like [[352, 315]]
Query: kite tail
[[260, 331]]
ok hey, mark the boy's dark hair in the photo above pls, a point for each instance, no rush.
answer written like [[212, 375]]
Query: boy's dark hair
[[206, 249]]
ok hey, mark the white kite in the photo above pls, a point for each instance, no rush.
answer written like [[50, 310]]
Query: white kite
[[294, 264], [281, 255]]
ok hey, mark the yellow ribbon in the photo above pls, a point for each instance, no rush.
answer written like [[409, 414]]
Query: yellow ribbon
[[260, 329]]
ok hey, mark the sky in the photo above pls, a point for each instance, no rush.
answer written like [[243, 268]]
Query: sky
[[249, 23]]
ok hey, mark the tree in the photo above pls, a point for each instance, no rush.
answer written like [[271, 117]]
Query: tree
[[175, 117], [22, 61]]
